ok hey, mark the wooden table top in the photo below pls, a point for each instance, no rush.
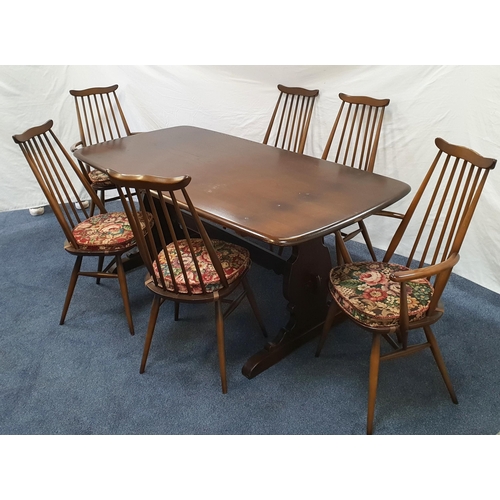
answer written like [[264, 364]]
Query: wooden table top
[[274, 195]]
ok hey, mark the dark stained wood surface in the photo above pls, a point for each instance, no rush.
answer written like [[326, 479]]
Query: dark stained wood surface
[[277, 196]]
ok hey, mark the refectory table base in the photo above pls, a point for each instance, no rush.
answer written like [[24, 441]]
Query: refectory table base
[[305, 286]]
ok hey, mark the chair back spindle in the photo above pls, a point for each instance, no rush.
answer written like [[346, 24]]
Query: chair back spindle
[[173, 252], [451, 188], [353, 142], [100, 115], [291, 118], [356, 132], [52, 165], [100, 118]]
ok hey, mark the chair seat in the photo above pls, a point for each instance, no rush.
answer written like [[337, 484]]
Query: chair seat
[[109, 231], [235, 261], [365, 291], [100, 178]]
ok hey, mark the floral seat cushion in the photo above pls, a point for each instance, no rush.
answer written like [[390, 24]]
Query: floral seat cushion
[[109, 231], [235, 261], [365, 291], [100, 179]]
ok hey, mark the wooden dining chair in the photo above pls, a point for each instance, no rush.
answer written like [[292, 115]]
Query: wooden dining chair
[[390, 300], [107, 234], [291, 117], [181, 267], [353, 142], [100, 118]]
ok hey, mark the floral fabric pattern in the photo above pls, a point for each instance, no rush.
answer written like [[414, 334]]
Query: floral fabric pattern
[[110, 231], [101, 178], [235, 261], [365, 291]]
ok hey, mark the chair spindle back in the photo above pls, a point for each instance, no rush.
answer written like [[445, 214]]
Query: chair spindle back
[[356, 131], [291, 118], [53, 167], [171, 207], [100, 116], [452, 186]]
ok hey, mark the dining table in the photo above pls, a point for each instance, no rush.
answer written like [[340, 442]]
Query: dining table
[[263, 198]]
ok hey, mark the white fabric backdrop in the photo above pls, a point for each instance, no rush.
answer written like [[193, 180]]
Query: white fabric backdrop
[[458, 103]]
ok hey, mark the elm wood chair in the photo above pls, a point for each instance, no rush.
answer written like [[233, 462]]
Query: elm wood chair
[[107, 234], [291, 117], [100, 118], [355, 136], [371, 293], [203, 270]]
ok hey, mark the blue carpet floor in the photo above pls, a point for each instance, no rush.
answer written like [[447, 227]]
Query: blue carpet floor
[[82, 378]]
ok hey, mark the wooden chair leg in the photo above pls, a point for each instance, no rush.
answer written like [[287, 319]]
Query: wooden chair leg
[[92, 204], [153, 316], [122, 279], [219, 320], [373, 381], [436, 352], [332, 312], [176, 311], [71, 287], [253, 304], [368, 242], [340, 260], [100, 265], [343, 256]]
